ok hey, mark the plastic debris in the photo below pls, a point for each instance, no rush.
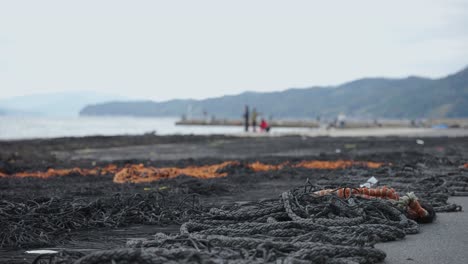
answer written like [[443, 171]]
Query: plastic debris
[[372, 181], [42, 251]]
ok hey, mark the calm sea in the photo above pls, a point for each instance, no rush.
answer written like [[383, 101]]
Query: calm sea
[[15, 127]]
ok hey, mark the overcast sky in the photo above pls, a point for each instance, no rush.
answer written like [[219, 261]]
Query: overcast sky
[[196, 49]]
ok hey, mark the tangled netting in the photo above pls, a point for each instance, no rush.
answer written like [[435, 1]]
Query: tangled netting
[[434, 189], [45, 221], [433, 186], [299, 227]]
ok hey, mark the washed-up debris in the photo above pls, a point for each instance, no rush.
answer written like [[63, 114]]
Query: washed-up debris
[[299, 227], [306, 224], [51, 172], [141, 173], [48, 221], [410, 203], [41, 251], [371, 182]]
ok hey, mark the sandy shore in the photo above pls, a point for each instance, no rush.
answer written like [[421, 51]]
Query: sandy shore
[[440, 242], [365, 132]]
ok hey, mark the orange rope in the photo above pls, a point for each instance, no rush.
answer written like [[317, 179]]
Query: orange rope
[[140, 173], [414, 209], [383, 192], [132, 173]]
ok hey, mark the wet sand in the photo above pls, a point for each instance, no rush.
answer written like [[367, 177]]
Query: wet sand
[[444, 241]]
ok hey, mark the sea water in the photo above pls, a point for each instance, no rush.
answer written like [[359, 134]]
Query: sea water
[[26, 127]]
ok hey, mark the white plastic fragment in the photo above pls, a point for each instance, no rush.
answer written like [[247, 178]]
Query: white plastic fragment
[[370, 182], [42, 251], [419, 141], [367, 185]]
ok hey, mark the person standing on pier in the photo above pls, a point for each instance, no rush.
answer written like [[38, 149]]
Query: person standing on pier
[[246, 118], [254, 119]]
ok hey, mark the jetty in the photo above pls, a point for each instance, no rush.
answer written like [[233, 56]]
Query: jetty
[[230, 122], [384, 123]]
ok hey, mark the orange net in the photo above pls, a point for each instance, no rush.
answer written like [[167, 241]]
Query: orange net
[[339, 164], [258, 166], [140, 173], [109, 169]]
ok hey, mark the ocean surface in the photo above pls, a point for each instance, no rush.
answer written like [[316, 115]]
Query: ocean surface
[[18, 127]]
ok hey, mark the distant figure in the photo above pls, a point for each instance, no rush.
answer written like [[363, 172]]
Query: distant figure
[[341, 120], [264, 126], [377, 123], [254, 119], [246, 118]]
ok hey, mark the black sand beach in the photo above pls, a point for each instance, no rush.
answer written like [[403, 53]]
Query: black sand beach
[[415, 158]]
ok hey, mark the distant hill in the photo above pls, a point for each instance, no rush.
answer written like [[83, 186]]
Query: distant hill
[[412, 97], [52, 104]]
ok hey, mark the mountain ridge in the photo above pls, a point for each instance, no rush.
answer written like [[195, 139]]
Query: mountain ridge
[[376, 97]]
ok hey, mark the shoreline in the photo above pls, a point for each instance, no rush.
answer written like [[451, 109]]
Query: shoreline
[[316, 132]]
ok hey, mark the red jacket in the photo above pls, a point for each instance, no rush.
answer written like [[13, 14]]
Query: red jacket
[[264, 125]]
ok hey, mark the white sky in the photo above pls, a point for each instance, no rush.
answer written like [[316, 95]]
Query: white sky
[[196, 49]]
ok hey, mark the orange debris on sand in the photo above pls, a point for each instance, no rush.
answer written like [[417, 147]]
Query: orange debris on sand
[[339, 164], [465, 166], [258, 166], [315, 164], [109, 169], [140, 173]]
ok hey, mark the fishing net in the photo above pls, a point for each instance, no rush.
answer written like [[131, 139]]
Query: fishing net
[[298, 227], [48, 221]]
